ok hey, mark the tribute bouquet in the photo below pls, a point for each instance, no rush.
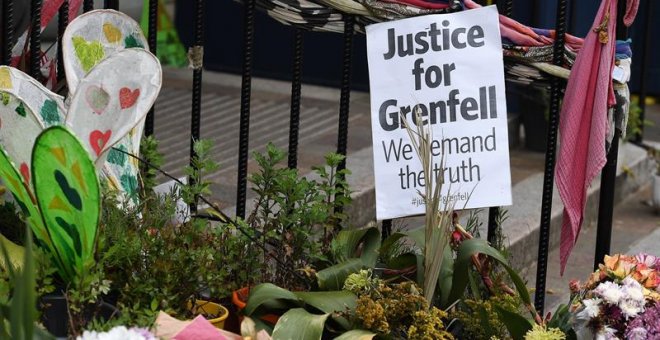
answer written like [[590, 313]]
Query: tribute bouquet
[[621, 300]]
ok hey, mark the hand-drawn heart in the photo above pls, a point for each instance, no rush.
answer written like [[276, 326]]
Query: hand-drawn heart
[[127, 98], [98, 140], [111, 32], [97, 98], [25, 171], [89, 53]]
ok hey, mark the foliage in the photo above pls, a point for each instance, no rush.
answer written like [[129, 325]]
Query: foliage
[[290, 213], [480, 319], [544, 333], [171, 262], [18, 312], [635, 122], [400, 311], [438, 224], [149, 152]]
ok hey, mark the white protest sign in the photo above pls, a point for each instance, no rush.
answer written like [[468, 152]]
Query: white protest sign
[[449, 68]]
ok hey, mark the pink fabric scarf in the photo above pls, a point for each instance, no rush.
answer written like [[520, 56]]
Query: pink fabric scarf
[[583, 122]]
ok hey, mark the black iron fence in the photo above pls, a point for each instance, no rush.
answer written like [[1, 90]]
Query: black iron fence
[[505, 7]]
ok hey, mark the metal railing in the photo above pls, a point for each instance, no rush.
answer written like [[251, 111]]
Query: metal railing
[[604, 229]]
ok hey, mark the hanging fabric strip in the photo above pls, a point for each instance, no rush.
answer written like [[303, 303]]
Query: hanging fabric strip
[[583, 121]]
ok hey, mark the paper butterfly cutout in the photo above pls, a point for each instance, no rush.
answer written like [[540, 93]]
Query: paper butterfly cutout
[[113, 81], [63, 210]]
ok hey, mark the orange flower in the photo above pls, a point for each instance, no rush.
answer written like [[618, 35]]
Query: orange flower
[[652, 280]]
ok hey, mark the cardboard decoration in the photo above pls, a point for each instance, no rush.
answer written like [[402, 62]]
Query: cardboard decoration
[[63, 210], [110, 101], [114, 82], [26, 108], [88, 40]]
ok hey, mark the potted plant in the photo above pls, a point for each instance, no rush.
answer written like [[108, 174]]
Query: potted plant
[[215, 313]]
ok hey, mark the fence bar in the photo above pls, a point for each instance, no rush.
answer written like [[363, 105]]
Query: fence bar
[[296, 82], [62, 22], [608, 176], [639, 137], [153, 47], [507, 10], [550, 153], [88, 5], [197, 56], [111, 4], [345, 94], [35, 40], [246, 91], [386, 229], [7, 31]]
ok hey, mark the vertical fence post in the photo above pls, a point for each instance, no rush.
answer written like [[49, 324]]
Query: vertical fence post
[[197, 57], [111, 4], [345, 94], [88, 5], [639, 137], [153, 48], [246, 91], [296, 83], [550, 153], [35, 40], [62, 22], [608, 175], [7, 31], [507, 10]]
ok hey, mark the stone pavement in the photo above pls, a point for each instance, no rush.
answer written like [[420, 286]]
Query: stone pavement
[[636, 227]]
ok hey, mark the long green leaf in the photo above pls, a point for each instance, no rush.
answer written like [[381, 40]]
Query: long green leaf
[[463, 263], [332, 278], [354, 243], [356, 334], [67, 189], [15, 253], [446, 273], [268, 292], [331, 303], [299, 324], [515, 323]]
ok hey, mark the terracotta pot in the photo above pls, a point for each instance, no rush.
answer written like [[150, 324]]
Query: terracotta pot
[[210, 308], [240, 297]]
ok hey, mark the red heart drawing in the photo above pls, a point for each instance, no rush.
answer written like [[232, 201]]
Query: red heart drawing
[[128, 97], [98, 140], [25, 171]]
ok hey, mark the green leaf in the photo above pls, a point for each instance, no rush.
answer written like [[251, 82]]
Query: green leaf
[[67, 189], [298, 324], [331, 303], [515, 323], [15, 253], [446, 273], [356, 334], [353, 243], [463, 263], [268, 292], [333, 277]]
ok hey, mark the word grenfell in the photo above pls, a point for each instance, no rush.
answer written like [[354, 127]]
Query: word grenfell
[[391, 116], [434, 39]]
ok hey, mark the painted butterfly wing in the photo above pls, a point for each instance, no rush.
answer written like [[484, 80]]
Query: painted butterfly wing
[[27, 204], [127, 84], [68, 193], [95, 36], [88, 40]]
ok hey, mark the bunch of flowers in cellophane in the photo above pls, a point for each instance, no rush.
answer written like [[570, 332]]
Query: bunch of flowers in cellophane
[[621, 300]]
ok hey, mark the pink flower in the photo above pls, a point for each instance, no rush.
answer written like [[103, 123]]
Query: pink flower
[[650, 261]]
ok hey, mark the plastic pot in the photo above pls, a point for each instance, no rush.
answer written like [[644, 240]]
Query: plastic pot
[[240, 297], [207, 309]]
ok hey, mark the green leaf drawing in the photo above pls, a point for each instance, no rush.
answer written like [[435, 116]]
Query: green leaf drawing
[[67, 190], [49, 112]]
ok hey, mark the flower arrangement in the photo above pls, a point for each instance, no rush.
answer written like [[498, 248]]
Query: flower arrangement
[[119, 332], [620, 300]]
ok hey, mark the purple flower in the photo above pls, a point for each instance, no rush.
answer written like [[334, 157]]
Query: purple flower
[[650, 261], [646, 324]]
